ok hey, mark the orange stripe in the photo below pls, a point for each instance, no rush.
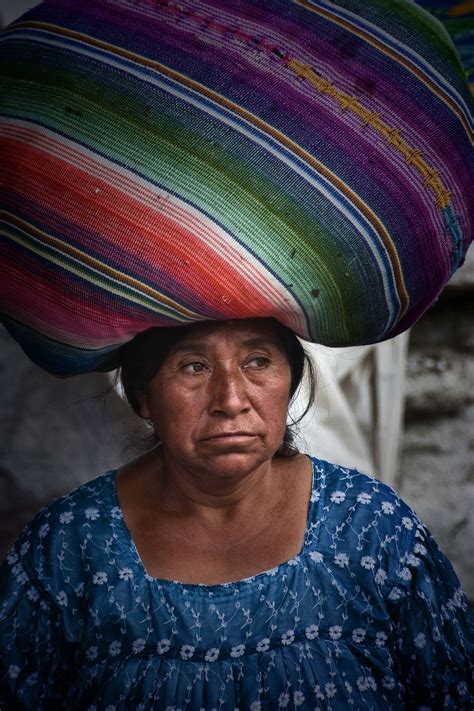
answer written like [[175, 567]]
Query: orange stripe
[[462, 8]]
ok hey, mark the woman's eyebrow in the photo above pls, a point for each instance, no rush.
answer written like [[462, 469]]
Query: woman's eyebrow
[[189, 347], [261, 341], [252, 342]]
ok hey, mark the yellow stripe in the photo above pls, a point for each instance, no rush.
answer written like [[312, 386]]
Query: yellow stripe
[[351, 103], [462, 8], [394, 55]]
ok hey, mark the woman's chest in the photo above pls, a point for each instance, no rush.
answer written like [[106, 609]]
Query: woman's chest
[[198, 554]]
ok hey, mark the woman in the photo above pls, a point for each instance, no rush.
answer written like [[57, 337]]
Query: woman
[[225, 164], [222, 569]]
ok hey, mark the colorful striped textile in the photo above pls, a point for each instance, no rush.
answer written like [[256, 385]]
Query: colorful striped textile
[[170, 161]]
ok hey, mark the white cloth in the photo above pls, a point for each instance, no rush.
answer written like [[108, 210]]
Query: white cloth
[[11, 10], [357, 415]]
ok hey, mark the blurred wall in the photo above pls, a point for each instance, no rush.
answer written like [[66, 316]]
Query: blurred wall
[[436, 473], [54, 435], [12, 9]]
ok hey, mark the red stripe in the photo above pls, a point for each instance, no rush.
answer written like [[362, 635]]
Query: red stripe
[[63, 188], [64, 311]]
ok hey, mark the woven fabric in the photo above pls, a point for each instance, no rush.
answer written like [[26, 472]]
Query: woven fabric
[[167, 162]]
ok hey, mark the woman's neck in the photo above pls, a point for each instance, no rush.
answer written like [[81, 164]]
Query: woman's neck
[[195, 535], [211, 496]]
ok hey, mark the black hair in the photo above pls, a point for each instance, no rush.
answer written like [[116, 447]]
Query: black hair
[[142, 358]]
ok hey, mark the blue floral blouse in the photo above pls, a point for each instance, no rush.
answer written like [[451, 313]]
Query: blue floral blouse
[[369, 615]]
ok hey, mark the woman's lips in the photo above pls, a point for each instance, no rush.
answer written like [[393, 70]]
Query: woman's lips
[[230, 437], [220, 435]]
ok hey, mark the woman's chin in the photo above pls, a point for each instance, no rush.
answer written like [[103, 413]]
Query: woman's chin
[[231, 443], [233, 460]]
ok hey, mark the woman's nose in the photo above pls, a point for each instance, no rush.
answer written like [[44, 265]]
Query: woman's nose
[[228, 393]]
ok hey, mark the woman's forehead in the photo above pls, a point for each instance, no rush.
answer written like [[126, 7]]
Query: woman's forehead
[[242, 332]]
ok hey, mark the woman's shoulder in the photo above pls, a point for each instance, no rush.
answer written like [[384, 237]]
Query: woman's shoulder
[[61, 528], [44, 571], [361, 524], [355, 516], [85, 504], [339, 485]]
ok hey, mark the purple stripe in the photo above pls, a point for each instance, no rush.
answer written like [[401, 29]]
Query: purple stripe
[[252, 89]]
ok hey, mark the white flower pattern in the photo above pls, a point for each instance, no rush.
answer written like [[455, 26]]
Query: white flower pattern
[[92, 653], [138, 645], [298, 698], [61, 598], [211, 654], [263, 645], [187, 651], [100, 578], [66, 517], [237, 650], [312, 631], [358, 635], [330, 689], [367, 562], [163, 646], [92, 513], [115, 648], [341, 559], [13, 671], [288, 637], [335, 632], [43, 530]]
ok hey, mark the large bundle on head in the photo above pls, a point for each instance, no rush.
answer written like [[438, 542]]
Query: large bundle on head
[[169, 161]]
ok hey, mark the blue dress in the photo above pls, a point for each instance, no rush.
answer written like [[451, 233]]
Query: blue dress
[[369, 615]]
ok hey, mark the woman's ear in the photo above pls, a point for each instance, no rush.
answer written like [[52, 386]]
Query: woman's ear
[[143, 409]]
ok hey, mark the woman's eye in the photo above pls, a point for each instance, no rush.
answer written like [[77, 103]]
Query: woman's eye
[[258, 362], [193, 368]]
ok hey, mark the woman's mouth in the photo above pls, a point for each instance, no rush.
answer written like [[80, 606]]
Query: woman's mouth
[[225, 438], [231, 435]]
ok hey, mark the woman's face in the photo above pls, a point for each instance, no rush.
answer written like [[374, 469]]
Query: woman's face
[[219, 402]]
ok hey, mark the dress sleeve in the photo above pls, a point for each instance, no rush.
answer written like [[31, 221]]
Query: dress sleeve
[[33, 651], [434, 629]]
